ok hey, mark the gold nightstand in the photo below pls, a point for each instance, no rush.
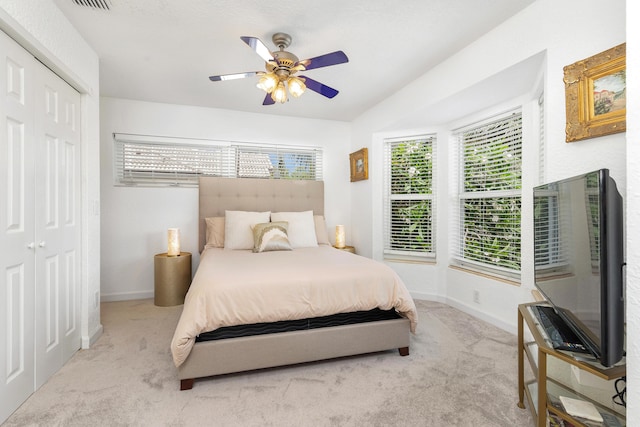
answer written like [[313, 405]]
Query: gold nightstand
[[348, 249], [172, 278]]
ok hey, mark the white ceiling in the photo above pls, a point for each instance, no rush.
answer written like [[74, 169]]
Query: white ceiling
[[165, 50]]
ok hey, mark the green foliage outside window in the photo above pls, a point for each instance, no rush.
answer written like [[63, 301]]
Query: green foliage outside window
[[410, 196], [492, 231], [491, 222]]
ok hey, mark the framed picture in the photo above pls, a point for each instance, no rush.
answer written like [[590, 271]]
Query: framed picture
[[359, 165], [595, 92]]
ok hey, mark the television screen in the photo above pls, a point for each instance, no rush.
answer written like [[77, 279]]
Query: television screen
[[578, 242]]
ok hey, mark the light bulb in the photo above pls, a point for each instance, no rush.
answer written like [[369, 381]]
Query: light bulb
[[296, 86], [279, 94], [268, 82]]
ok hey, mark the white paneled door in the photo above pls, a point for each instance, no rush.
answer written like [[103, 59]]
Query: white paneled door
[[39, 224], [17, 223], [57, 223]]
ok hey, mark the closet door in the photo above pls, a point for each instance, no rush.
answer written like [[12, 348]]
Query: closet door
[[17, 266], [57, 222], [40, 227]]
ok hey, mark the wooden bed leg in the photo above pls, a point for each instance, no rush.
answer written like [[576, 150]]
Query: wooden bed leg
[[186, 384], [404, 351]]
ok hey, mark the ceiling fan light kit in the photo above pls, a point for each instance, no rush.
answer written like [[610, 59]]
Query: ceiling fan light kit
[[279, 94], [296, 86], [281, 67], [268, 82]]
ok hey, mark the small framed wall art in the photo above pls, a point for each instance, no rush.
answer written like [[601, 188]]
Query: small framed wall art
[[359, 165], [595, 93]]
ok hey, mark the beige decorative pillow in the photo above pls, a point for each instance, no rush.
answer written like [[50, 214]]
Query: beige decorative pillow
[[321, 230], [215, 232], [237, 228], [270, 236], [301, 230]]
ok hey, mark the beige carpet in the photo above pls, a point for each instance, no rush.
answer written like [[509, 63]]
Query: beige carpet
[[461, 372]]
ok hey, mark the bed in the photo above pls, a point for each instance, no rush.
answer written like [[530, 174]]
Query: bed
[[320, 303]]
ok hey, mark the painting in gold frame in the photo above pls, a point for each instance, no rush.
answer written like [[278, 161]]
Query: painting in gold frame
[[359, 165], [595, 92]]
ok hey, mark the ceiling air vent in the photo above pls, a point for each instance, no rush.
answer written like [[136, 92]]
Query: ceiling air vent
[[95, 4]]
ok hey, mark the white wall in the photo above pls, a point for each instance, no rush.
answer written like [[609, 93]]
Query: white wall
[[135, 219], [512, 62], [565, 31], [633, 205], [43, 30]]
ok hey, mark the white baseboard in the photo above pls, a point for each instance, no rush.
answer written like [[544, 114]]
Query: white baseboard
[[428, 297], [126, 296], [511, 328], [87, 342]]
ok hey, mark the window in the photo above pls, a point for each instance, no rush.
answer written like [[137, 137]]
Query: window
[[279, 162], [409, 197], [153, 160], [489, 199]]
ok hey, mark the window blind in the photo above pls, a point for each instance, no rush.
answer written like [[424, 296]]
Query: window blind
[[487, 217], [279, 162], [409, 202], [163, 161]]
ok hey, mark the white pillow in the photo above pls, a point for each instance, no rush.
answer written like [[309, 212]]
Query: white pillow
[[302, 228], [237, 228]]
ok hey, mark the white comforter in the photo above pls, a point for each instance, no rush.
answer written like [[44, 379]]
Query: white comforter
[[234, 287]]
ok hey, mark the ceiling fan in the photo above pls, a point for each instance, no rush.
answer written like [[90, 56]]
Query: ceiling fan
[[281, 67]]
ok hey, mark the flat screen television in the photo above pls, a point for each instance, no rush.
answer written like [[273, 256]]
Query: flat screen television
[[579, 259]]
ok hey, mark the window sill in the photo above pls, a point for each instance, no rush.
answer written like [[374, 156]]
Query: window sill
[[509, 281], [409, 260]]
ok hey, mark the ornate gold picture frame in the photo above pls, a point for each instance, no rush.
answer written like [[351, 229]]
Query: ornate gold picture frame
[[595, 92], [359, 165]]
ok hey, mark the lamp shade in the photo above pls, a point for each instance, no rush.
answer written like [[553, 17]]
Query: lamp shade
[[340, 236], [268, 82], [279, 94], [173, 242], [296, 86]]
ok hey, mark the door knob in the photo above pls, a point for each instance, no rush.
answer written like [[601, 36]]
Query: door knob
[[42, 244], [31, 245]]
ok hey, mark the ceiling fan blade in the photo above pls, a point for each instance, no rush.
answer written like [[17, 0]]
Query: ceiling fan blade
[[268, 100], [259, 47], [233, 76], [320, 88], [333, 58]]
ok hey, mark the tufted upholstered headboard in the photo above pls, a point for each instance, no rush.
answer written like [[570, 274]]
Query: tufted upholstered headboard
[[217, 195]]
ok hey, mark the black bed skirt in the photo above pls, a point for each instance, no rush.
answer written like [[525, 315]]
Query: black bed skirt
[[299, 325]]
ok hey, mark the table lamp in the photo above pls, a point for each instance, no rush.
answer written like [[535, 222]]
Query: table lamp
[[173, 237], [340, 236]]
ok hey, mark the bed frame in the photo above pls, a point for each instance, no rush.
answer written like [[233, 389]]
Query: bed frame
[[226, 356]]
